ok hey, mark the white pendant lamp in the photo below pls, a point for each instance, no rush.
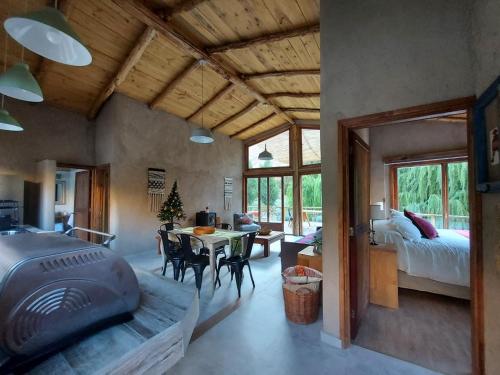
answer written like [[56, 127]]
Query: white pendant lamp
[[9, 123], [265, 155], [18, 83], [201, 135], [47, 33]]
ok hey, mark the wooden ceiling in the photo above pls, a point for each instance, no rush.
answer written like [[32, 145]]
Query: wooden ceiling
[[261, 59]]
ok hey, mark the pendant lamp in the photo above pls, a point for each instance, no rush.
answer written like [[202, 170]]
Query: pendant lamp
[[7, 122], [265, 155], [201, 135], [47, 33], [18, 83]]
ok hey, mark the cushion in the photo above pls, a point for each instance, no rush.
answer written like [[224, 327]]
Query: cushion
[[249, 227], [395, 213], [406, 227], [245, 219], [424, 226]]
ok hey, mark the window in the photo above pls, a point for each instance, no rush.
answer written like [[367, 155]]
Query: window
[[311, 149], [278, 146], [438, 192], [312, 211]]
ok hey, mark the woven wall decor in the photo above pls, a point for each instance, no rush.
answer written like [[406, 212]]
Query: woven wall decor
[[156, 188], [228, 193]]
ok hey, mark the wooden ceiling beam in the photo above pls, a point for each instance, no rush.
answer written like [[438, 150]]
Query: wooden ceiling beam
[[305, 110], [191, 67], [237, 115], [133, 57], [255, 124], [147, 16], [225, 90], [293, 95], [283, 73], [269, 38]]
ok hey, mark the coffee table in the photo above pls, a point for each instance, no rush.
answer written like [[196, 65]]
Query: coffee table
[[266, 241]]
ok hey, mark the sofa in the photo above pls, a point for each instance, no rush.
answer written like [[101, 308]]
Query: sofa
[[290, 250], [238, 225]]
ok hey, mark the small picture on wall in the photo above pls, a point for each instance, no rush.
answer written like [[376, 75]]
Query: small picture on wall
[[495, 146]]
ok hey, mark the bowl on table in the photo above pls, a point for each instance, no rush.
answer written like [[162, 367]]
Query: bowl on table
[[203, 230]]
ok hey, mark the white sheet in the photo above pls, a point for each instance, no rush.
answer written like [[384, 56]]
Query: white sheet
[[444, 259]]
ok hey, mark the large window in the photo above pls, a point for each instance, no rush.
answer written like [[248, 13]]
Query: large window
[[311, 149], [312, 211], [437, 192], [278, 146]]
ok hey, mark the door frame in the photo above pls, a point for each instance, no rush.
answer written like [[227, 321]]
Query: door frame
[[426, 111]]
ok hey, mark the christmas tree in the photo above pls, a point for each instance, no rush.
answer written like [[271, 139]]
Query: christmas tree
[[172, 208]]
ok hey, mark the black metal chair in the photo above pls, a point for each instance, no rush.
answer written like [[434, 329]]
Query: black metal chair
[[171, 253], [197, 262], [226, 226], [238, 262]]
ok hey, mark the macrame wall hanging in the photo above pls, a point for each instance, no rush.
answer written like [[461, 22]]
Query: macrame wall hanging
[[156, 188], [228, 193]]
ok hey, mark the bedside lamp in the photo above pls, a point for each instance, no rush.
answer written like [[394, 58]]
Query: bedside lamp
[[377, 212]]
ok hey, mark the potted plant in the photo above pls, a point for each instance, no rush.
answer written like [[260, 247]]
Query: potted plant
[[318, 244], [172, 209]]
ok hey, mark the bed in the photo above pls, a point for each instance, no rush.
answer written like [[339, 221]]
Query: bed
[[440, 265]]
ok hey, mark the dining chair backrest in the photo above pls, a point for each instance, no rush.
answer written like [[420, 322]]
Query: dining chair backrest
[[226, 226], [185, 242], [250, 240], [167, 243]]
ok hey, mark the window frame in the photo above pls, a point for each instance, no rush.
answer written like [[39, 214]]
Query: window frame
[[257, 141], [305, 167], [393, 179]]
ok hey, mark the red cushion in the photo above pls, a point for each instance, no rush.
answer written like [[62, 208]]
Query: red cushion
[[245, 219], [424, 226]]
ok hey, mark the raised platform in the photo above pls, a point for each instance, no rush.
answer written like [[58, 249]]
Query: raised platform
[[153, 341]]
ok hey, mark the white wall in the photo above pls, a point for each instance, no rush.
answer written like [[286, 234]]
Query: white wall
[[69, 178], [409, 139], [133, 138], [377, 56]]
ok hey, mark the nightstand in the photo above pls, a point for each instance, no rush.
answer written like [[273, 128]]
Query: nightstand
[[384, 275]]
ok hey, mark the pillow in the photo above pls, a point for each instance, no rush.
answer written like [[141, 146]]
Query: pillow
[[405, 226], [245, 219], [424, 226], [396, 213]]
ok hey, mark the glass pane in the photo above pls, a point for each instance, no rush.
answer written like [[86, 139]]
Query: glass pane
[[312, 213], [278, 146], [253, 197], [263, 200], [420, 191], [288, 187], [311, 151], [458, 196], [275, 205]]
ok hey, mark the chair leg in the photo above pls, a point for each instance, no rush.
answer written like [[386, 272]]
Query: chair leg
[[251, 276], [183, 273], [238, 280], [164, 267], [177, 268], [198, 274], [217, 279]]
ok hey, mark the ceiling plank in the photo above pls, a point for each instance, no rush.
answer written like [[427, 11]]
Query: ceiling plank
[[284, 73], [225, 90], [183, 6], [255, 124], [147, 16], [305, 110], [173, 84], [237, 115], [133, 57], [275, 37], [293, 95]]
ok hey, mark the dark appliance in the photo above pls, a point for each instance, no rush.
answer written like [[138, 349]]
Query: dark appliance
[[55, 288], [205, 219], [9, 214]]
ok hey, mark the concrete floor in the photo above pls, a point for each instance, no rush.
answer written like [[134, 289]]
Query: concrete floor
[[256, 338]]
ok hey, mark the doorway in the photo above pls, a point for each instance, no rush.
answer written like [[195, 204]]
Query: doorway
[[82, 199], [350, 264]]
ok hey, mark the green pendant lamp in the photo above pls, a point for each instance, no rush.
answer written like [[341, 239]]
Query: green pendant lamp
[[47, 33], [18, 83], [202, 135], [265, 155], [7, 122]]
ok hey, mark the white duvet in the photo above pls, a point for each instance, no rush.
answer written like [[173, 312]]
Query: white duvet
[[444, 259]]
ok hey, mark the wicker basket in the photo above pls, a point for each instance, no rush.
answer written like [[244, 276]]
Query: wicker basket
[[302, 294]]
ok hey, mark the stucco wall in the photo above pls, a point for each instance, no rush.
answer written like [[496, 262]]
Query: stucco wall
[[49, 133], [409, 139], [133, 138], [487, 68], [377, 56]]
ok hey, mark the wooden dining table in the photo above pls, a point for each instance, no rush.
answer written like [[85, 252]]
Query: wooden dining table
[[219, 238]]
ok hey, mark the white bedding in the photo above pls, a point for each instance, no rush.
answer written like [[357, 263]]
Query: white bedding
[[444, 259]]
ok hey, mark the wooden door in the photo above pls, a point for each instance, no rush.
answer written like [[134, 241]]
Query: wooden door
[[100, 202], [359, 208], [82, 202]]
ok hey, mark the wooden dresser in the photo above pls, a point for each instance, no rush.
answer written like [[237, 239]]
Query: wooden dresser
[[384, 275]]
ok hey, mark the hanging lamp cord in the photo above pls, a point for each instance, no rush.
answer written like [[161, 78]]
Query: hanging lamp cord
[[202, 85], [5, 58]]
